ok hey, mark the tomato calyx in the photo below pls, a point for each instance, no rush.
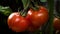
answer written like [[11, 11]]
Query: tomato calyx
[[57, 16]]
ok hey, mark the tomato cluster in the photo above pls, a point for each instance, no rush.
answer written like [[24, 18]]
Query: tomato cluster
[[33, 20]]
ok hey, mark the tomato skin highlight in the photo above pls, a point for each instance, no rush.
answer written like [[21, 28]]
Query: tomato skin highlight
[[56, 23], [29, 14], [17, 23]]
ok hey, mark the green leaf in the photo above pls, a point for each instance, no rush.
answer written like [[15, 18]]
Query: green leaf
[[25, 3], [5, 10], [43, 0]]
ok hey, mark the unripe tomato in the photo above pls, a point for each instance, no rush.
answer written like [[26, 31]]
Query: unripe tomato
[[17, 23], [56, 23]]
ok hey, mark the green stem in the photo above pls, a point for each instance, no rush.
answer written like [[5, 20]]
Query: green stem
[[35, 5], [36, 2], [51, 11], [26, 4]]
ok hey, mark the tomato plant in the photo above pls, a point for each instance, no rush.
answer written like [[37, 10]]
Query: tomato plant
[[17, 23], [56, 22], [34, 19]]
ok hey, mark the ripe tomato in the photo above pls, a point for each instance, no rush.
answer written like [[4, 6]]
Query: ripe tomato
[[37, 17], [17, 23], [56, 23]]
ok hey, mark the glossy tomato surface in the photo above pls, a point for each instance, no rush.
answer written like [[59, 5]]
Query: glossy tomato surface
[[37, 17], [56, 23], [17, 23]]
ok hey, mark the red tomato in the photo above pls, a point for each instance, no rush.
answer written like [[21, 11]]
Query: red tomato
[[56, 23], [17, 23], [37, 17]]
